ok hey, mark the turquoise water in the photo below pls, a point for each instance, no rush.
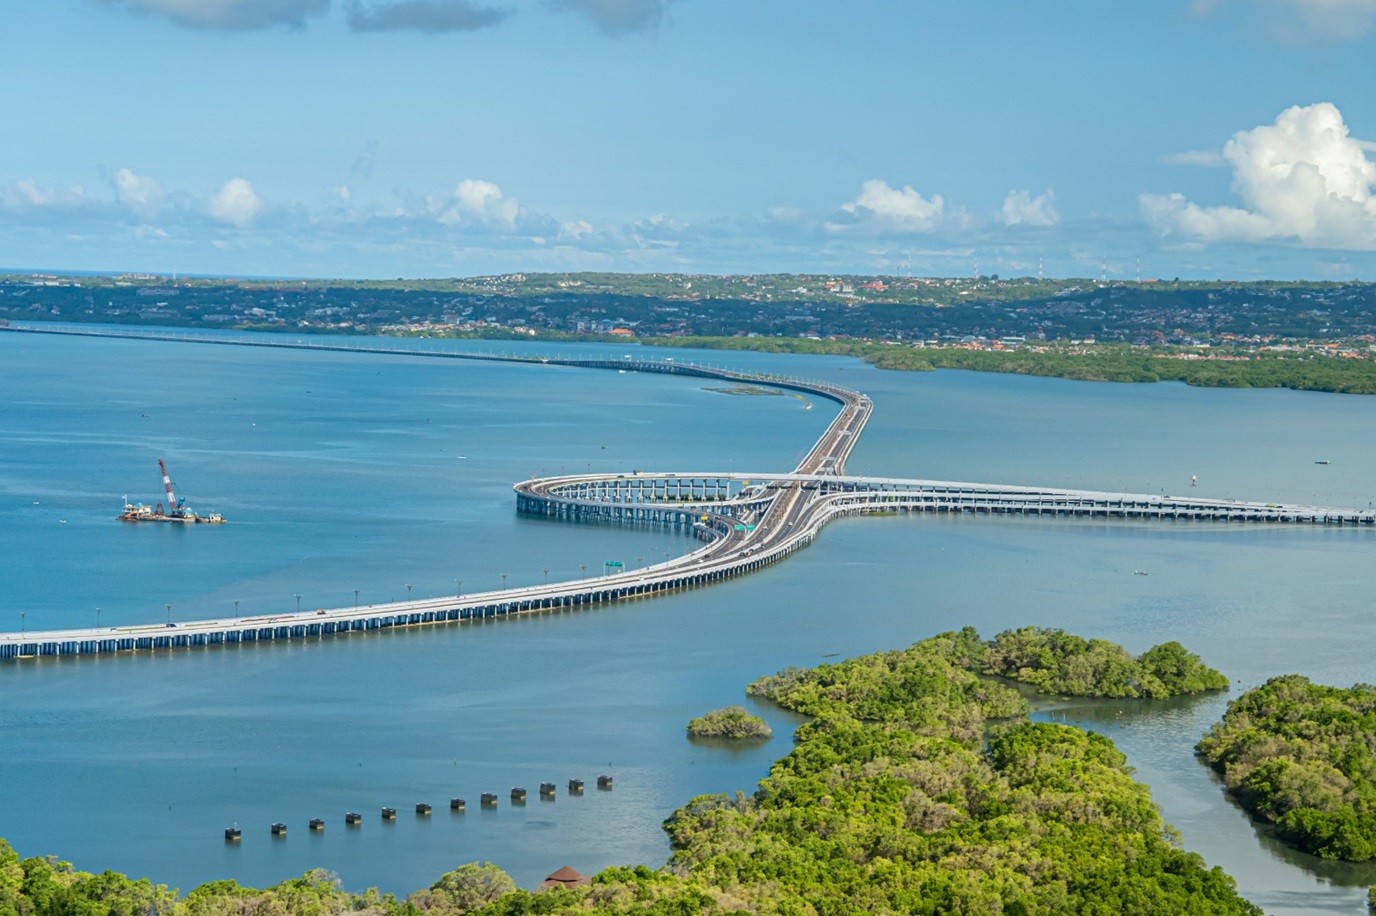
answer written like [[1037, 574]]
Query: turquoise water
[[346, 471]]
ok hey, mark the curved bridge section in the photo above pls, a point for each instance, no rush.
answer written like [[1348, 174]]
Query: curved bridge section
[[745, 521]]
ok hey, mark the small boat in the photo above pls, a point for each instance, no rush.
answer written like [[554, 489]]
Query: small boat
[[1139, 572], [1323, 461]]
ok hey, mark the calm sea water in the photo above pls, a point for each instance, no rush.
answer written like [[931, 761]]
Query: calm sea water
[[347, 471]]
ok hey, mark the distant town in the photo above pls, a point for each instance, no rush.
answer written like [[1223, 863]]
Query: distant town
[[976, 313]]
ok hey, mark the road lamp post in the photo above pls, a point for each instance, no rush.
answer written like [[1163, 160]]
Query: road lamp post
[[355, 597], [97, 618], [546, 575], [298, 603], [503, 581], [169, 614], [408, 591], [458, 587], [584, 567], [21, 622]]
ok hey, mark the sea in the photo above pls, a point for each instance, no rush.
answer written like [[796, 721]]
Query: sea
[[361, 477]]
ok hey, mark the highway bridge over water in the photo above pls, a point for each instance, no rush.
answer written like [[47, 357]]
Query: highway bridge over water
[[745, 521]]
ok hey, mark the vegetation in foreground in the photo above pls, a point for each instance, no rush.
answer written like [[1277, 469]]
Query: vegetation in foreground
[[918, 787], [1057, 662], [1053, 661], [1303, 756], [729, 722]]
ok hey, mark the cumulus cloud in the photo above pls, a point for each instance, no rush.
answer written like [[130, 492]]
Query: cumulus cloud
[[421, 15], [236, 203], [475, 201], [232, 15], [1302, 179], [575, 229], [27, 194], [1306, 20], [1020, 208], [618, 17], [902, 209], [140, 194]]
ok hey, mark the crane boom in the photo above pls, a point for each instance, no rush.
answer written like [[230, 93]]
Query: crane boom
[[172, 505]]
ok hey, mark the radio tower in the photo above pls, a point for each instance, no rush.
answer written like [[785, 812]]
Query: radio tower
[[1139, 271], [1040, 277]]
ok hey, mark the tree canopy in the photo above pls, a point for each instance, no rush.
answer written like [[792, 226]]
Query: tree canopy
[[918, 787], [1302, 756]]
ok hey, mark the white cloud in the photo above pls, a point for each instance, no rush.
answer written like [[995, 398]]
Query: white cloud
[[1301, 179], [1020, 208], [475, 200], [26, 194], [142, 195], [575, 229], [236, 203], [903, 209], [232, 15]]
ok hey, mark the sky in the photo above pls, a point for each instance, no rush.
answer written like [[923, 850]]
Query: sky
[[434, 138]]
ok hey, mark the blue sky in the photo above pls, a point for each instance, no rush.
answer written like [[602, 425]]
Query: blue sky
[[410, 138]]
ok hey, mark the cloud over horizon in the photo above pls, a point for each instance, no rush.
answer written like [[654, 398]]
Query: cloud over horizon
[[1020, 208], [887, 208], [235, 204], [142, 195], [1301, 179]]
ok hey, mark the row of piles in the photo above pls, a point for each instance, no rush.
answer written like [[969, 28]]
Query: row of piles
[[423, 809]]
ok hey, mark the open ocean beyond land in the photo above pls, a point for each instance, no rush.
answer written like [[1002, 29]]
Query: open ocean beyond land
[[341, 471]]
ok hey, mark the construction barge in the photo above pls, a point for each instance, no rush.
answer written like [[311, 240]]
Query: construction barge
[[177, 510]]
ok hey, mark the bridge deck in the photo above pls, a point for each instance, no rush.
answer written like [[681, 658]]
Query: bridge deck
[[746, 521]]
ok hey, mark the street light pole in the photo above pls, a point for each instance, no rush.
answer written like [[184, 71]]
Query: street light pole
[[408, 591], [298, 604], [97, 618], [458, 588], [503, 580], [169, 614], [355, 597]]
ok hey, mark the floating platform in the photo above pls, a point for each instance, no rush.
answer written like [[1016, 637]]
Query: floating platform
[[138, 512]]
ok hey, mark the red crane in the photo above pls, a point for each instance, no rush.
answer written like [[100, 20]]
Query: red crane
[[174, 508]]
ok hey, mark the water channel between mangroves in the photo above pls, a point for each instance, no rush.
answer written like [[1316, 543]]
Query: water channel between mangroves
[[343, 471]]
